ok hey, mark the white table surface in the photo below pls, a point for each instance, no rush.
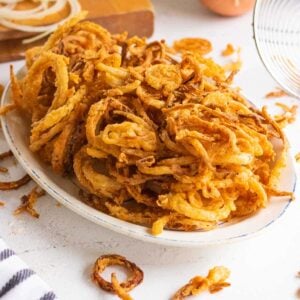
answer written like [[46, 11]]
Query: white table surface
[[62, 246]]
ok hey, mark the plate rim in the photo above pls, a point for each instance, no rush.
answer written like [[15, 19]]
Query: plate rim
[[89, 213]]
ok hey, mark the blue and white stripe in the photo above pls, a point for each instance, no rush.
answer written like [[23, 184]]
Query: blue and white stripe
[[17, 281]]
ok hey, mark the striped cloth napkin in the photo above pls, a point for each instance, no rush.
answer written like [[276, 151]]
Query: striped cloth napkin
[[17, 281]]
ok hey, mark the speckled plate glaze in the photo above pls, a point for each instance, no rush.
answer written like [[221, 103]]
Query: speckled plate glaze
[[16, 131]]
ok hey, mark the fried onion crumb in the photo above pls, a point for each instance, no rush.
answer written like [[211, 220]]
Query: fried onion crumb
[[229, 50], [1, 90], [297, 157]]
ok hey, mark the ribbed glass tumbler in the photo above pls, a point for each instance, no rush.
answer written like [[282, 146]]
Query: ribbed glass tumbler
[[276, 25]]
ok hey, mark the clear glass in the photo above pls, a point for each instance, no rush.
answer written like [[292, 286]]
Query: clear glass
[[276, 25]]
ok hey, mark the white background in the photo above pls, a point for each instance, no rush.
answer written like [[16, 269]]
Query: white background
[[62, 246]]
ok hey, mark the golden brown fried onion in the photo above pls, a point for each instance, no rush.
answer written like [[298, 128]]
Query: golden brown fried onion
[[213, 282], [134, 279], [153, 139], [28, 202], [198, 45], [3, 156], [12, 185], [121, 292]]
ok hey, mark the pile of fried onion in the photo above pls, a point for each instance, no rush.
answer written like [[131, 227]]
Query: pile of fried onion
[[153, 137]]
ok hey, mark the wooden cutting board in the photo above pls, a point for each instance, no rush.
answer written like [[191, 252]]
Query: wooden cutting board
[[134, 16]]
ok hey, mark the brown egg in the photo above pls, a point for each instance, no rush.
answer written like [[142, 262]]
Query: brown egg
[[229, 8]]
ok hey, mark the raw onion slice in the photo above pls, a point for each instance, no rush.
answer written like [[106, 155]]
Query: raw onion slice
[[36, 13], [8, 14]]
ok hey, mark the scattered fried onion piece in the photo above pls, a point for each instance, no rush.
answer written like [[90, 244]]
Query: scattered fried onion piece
[[213, 282], [13, 185], [2, 156], [201, 46], [297, 157], [2, 203], [236, 64], [288, 116], [6, 154], [229, 50], [28, 202], [134, 279], [3, 170], [276, 94], [1, 90]]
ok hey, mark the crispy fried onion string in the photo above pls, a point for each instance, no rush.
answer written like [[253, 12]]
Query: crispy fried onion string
[[28, 202], [153, 139], [121, 289], [213, 282], [11, 185]]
